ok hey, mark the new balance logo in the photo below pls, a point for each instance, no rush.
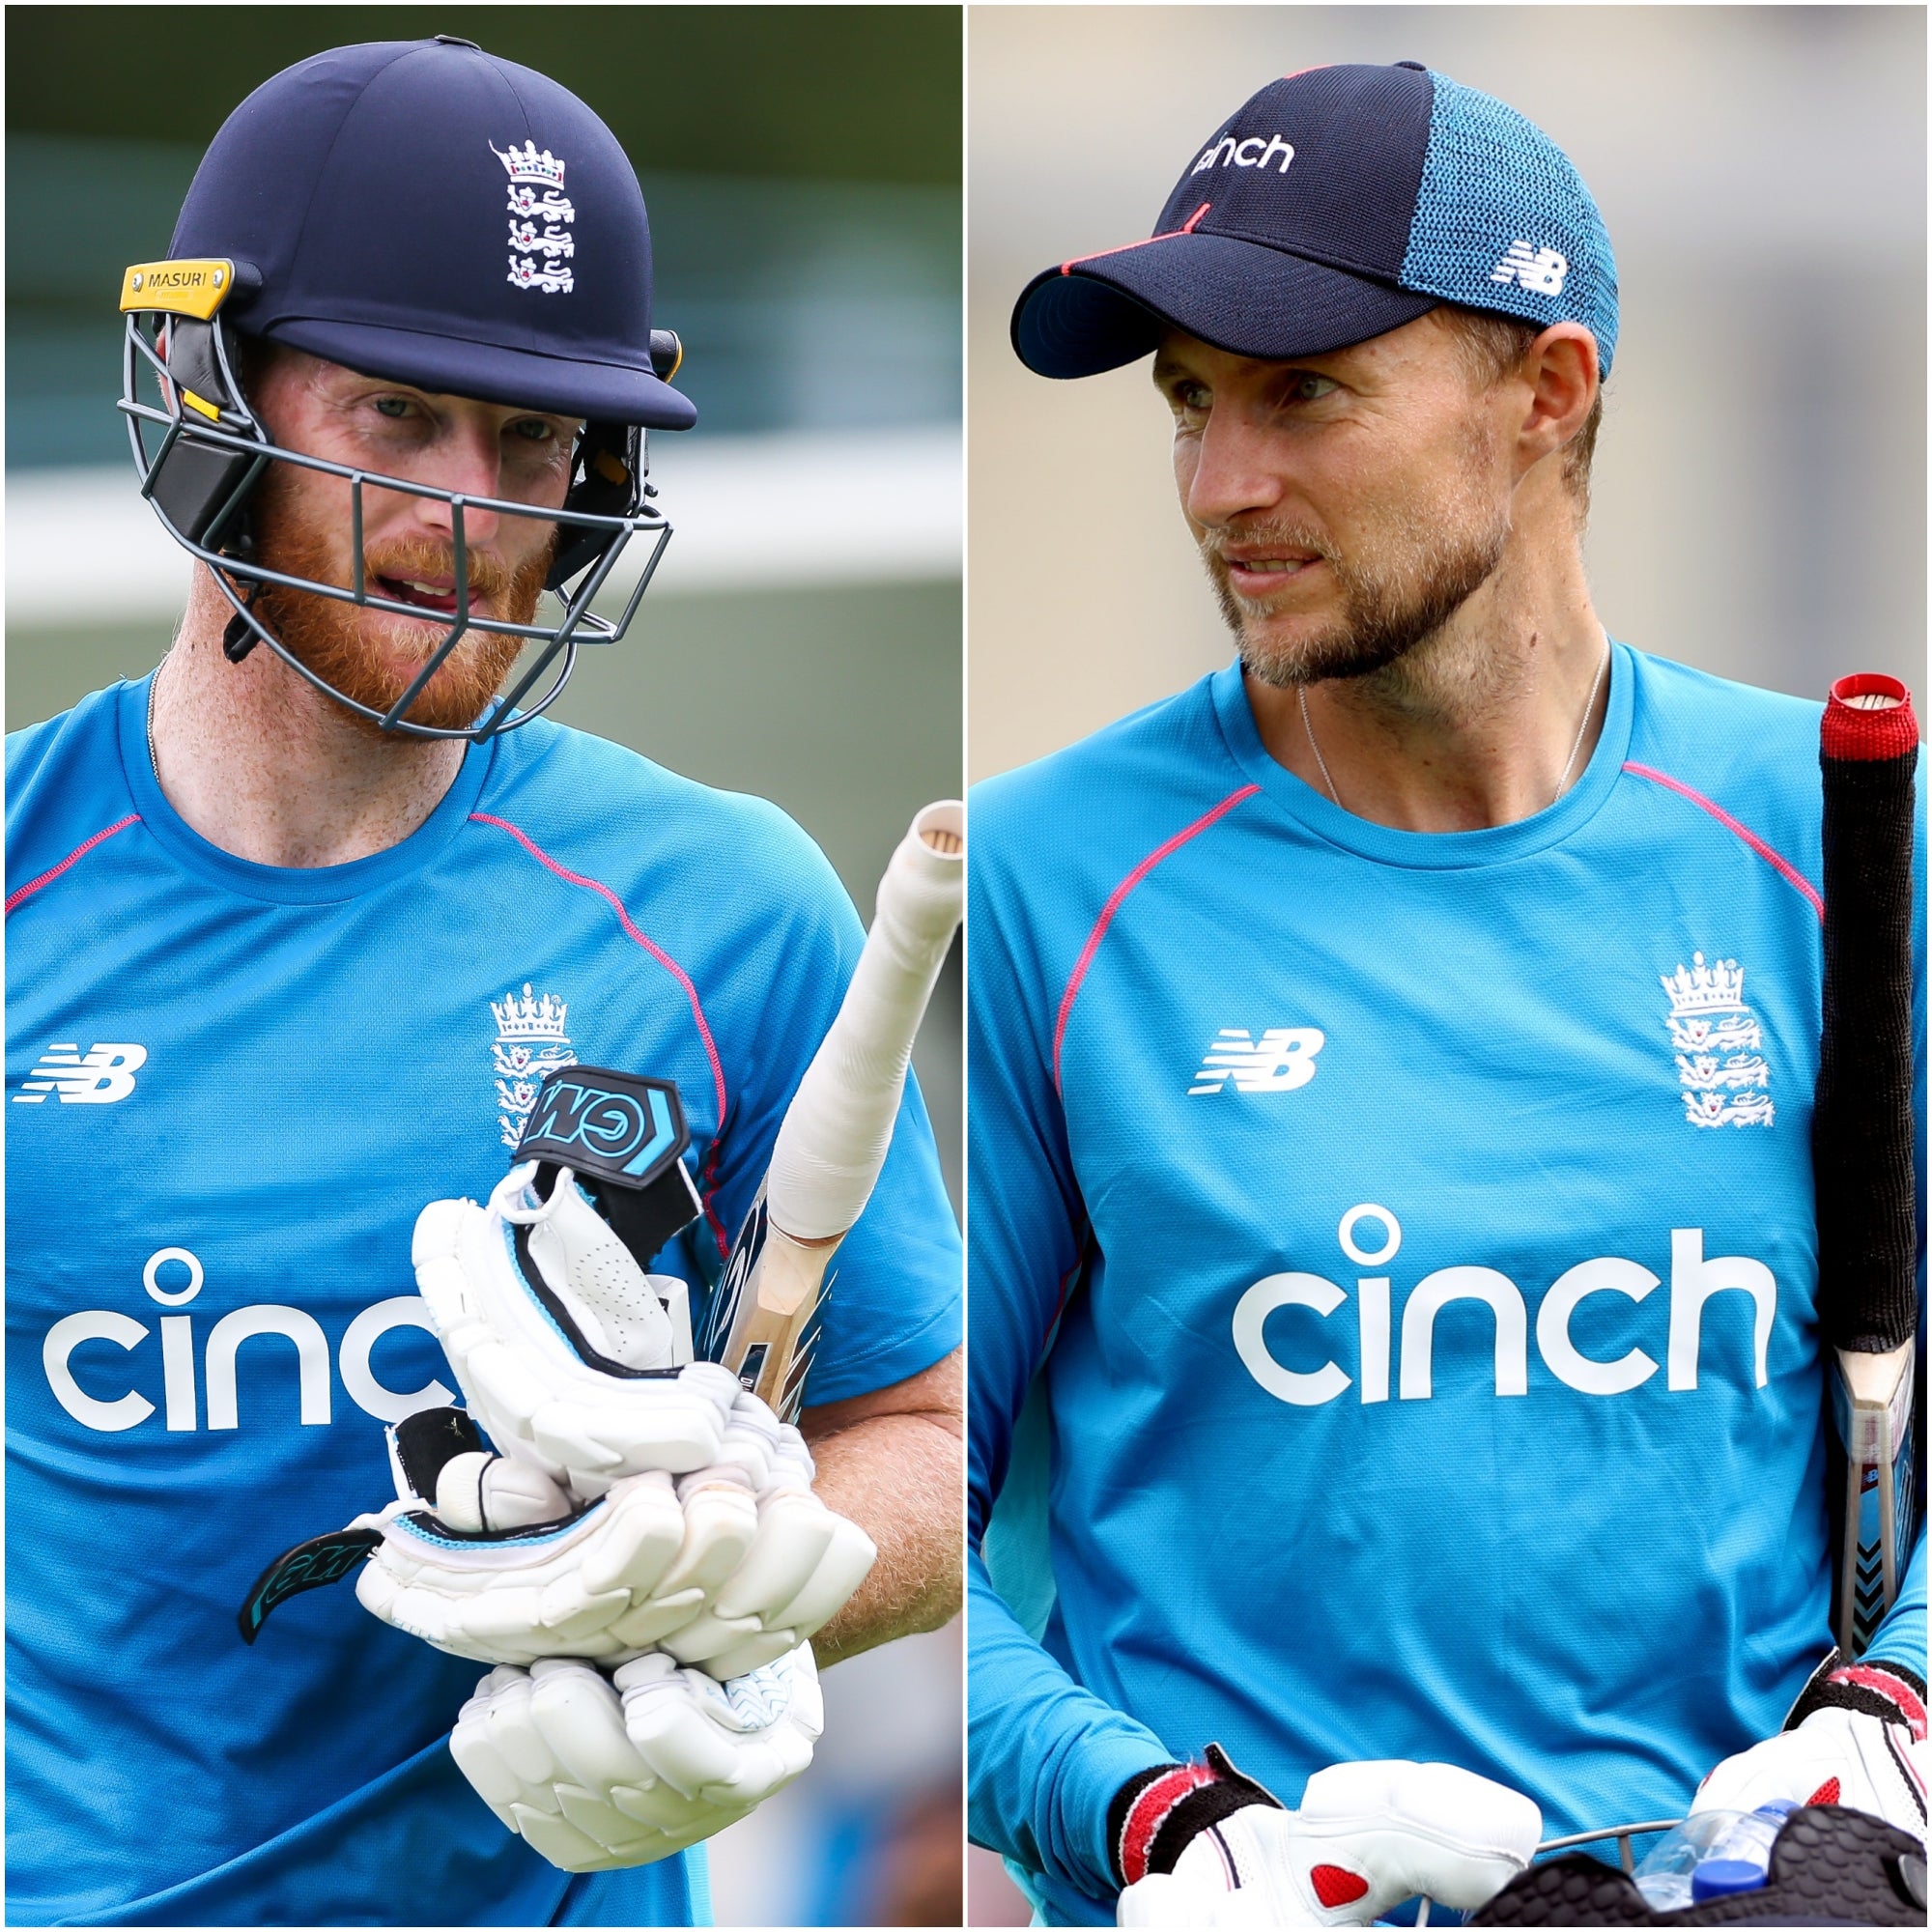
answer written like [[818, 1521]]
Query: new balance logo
[[1540, 271], [104, 1073], [1284, 1056]]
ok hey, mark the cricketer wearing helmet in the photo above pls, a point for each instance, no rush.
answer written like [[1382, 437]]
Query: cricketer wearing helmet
[[1391, 1076], [298, 925]]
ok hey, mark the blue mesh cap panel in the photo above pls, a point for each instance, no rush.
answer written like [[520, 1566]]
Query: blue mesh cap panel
[[1322, 164], [1504, 222]]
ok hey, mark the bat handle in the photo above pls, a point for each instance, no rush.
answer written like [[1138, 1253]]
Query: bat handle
[[836, 1133]]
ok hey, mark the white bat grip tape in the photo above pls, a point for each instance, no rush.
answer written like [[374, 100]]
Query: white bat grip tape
[[835, 1132]]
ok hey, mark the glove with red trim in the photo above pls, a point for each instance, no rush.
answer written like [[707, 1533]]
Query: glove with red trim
[[1855, 1737], [1202, 1846]]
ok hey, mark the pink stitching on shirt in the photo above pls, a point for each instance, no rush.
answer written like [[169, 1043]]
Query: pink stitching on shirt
[[1113, 907], [664, 960], [1775, 860], [81, 850]]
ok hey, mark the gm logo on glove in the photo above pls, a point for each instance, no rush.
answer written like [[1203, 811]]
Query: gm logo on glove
[[599, 1121]]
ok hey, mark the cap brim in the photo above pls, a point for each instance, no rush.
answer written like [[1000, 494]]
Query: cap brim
[[516, 378], [1111, 309]]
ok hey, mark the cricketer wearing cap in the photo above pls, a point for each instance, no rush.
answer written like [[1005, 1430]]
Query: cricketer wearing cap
[[1393, 1246], [297, 925]]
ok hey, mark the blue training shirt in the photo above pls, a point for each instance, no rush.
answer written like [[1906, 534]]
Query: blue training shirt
[[1392, 1326], [231, 1088]]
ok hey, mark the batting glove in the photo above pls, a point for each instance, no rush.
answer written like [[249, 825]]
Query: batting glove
[[596, 1774], [565, 1353], [1855, 1737], [1202, 1846], [727, 1568]]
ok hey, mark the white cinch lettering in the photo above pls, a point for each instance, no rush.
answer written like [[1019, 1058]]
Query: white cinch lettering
[[178, 1369], [1345, 1232], [1432, 1294], [1693, 1280], [1226, 150], [267, 1317], [93, 1324], [1606, 1275], [388, 1404], [1305, 1389], [172, 1298], [1373, 1314]]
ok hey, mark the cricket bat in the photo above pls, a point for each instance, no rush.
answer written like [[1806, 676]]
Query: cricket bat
[[834, 1134], [1863, 1140]]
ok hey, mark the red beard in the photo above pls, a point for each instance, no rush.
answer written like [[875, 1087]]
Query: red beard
[[372, 656]]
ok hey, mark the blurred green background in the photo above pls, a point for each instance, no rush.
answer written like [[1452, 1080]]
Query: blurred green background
[[802, 166]]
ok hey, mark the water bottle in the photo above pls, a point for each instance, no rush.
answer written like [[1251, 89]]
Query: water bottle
[[1711, 1854]]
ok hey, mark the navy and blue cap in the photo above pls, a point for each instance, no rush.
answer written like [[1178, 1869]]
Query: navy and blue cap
[[424, 211], [1334, 205]]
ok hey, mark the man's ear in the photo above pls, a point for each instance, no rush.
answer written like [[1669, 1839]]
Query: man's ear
[[1561, 369]]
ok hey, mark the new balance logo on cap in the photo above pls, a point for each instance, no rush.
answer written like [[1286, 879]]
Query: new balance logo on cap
[[104, 1073], [1540, 271], [1283, 1058], [1253, 152]]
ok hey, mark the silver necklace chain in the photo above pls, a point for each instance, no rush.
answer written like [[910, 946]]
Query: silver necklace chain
[[153, 758], [1584, 722], [1327, 778], [1568, 763]]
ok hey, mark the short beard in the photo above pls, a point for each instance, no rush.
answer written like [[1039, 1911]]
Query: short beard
[[342, 643], [1390, 606]]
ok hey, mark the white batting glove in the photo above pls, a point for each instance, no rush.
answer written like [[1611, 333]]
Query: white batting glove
[[721, 1576], [597, 1776], [1855, 1737], [1213, 1848], [565, 1356], [606, 1583], [803, 1563]]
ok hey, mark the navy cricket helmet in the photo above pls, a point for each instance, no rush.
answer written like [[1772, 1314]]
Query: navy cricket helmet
[[427, 214]]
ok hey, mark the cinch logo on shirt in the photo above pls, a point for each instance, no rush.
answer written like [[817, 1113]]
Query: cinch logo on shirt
[[1283, 1058], [104, 1073], [1540, 271], [193, 1365], [1408, 1347]]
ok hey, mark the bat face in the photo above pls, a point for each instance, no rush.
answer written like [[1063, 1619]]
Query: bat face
[[1872, 1398], [764, 1317], [728, 1298]]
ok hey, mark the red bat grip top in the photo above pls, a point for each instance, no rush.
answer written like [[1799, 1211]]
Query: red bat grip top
[[1868, 715]]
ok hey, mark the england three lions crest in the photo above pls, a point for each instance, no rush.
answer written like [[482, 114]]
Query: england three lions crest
[[1723, 1076], [531, 1044], [540, 216]]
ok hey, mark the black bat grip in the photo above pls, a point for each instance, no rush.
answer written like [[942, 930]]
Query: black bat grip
[[1861, 1127]]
